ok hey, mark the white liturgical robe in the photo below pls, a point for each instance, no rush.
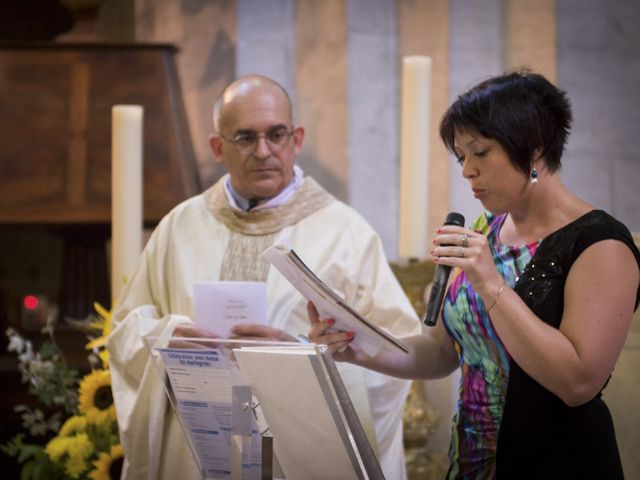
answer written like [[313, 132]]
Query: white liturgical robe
[[203, 239]]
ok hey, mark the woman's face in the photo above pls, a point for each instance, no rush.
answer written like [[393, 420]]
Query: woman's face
[[494, 180]]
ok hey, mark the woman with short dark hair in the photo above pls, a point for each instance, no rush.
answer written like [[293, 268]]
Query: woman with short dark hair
[[539, 302]]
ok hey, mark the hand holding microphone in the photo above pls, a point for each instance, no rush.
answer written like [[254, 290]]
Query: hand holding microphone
[[440, 279]]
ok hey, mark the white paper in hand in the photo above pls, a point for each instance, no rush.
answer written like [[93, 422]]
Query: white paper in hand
[[218, 306]]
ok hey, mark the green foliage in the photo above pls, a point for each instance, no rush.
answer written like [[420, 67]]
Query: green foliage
[[45, 372], [36, 465], [60, 453]]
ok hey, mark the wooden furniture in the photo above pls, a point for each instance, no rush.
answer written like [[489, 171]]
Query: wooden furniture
[[55, 126], [55, 161], [55, 183]]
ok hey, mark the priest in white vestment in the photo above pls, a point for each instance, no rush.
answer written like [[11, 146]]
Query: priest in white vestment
[[220, 235]]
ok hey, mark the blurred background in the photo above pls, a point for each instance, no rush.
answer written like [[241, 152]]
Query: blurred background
[[64, 63]]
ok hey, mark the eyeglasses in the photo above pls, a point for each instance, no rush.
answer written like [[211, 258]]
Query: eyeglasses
[[246, 141]]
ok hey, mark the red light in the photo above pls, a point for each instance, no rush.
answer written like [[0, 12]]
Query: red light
[[30, 302]]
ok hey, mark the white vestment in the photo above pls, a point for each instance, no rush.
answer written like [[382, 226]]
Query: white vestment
[[197, 241]]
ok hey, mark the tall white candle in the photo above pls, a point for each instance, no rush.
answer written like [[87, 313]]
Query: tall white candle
[[126, 193], [414, 156]]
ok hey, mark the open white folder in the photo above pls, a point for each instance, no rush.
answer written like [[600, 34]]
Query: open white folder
[[368, 336]]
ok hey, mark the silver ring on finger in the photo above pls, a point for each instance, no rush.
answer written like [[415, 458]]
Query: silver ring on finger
[[465, 240], [461, 252]]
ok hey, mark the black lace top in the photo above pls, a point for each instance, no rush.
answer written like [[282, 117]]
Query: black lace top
[[540, 436]]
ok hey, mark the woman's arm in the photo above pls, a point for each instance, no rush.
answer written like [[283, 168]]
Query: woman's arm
[[575, 360], [432, 354]]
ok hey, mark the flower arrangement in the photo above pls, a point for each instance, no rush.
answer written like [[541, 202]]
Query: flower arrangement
[[86, 444]]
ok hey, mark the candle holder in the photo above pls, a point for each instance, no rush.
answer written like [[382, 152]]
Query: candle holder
[[420, 422], [414, 276], [419, 419]]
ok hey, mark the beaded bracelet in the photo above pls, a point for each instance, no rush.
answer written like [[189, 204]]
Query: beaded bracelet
[[496, 298]]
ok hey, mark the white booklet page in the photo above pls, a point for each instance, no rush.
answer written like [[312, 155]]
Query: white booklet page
[[368, 336]]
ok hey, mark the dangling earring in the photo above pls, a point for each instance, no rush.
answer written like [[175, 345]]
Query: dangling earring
[[534, 176]]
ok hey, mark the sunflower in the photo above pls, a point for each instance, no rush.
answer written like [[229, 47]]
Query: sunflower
[[57, 447], [74, 424], [80, 448], [73, 451], [108, 465], [96, 400], [103, 324]]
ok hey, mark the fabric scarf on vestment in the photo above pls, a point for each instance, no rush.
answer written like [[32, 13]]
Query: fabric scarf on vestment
[[252, 232]]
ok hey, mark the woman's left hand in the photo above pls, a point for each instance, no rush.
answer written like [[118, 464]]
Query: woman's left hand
[[469, 250], [339, 342]]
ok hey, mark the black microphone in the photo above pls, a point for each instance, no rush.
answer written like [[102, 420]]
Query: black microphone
[[440, 279]]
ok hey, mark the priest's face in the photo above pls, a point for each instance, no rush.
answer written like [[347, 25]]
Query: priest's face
[[257, 143]]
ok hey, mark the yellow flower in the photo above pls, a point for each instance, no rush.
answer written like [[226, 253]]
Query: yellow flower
[[77, 448], [103, 324], [57, 447], [96, 400], [108, 465], [80, 448], [73, 425], [104, 357]]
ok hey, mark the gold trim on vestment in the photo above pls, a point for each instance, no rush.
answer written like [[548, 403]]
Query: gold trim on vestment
[[254, 231]]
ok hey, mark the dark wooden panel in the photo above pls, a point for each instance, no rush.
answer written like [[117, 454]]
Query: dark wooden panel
[[55, 128]]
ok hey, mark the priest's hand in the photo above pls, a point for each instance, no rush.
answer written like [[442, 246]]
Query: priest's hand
[[191, 331], [253, 331]]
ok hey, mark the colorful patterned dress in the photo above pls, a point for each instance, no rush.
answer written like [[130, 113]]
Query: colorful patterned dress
[[484, 362]]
